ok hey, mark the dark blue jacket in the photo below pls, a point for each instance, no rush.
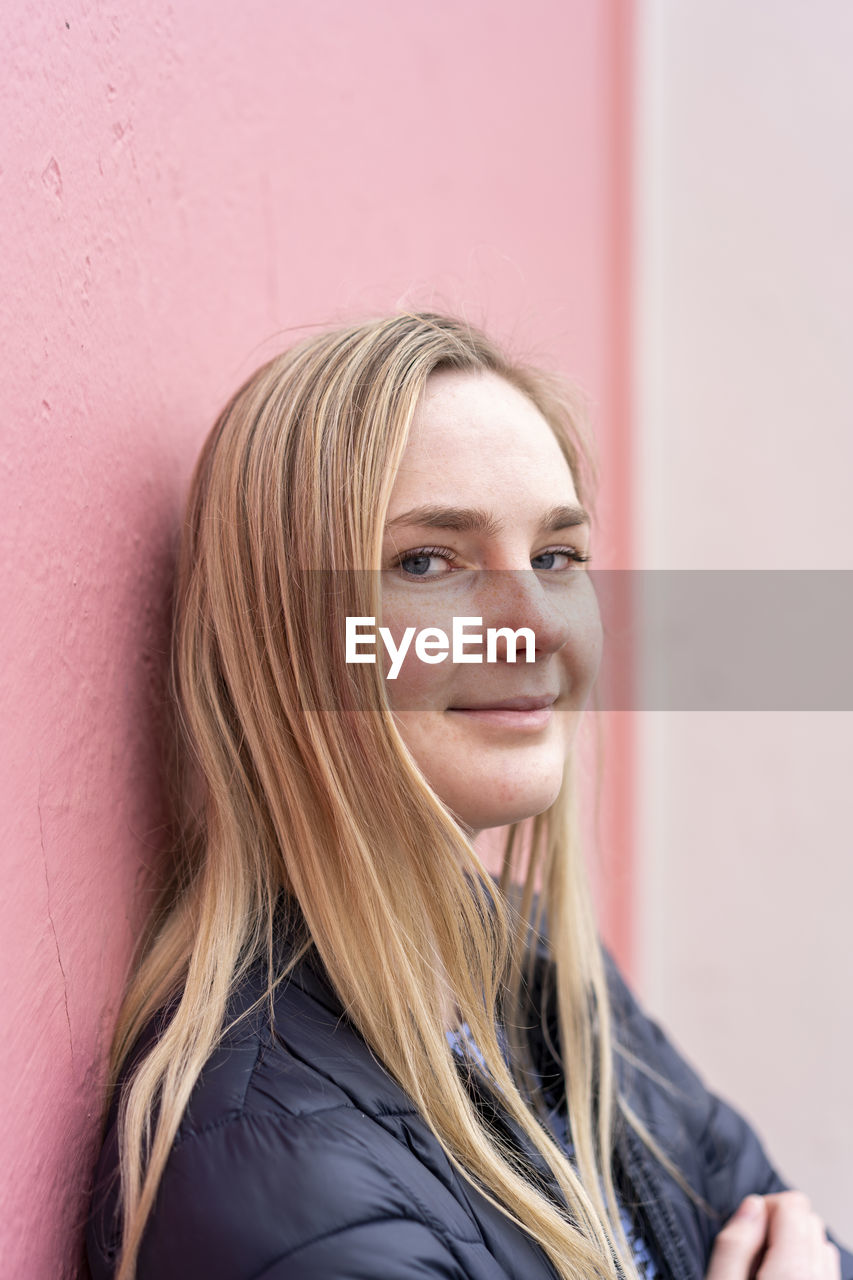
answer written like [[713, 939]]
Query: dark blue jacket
[[300, 1158]]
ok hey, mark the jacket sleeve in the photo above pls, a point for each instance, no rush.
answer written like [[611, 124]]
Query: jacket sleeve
[[271, 1195], [394, 1249], [711, 1135]]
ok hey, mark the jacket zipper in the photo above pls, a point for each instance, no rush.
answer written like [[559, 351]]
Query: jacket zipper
[[652, 1207]]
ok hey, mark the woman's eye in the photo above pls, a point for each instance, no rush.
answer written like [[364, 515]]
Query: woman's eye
[[437, 562], [416, 564], [558, 554]]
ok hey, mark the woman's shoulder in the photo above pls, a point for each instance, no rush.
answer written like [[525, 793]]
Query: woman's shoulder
[[294, 1134], [296, 1055]]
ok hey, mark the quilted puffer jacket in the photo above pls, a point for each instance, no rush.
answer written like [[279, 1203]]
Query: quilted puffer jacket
[[300, 1158]]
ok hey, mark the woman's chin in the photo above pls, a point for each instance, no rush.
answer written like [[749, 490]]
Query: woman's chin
[[487, 783], [498, 805]]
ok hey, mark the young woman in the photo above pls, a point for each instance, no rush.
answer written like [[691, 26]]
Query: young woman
[[347, 1051]]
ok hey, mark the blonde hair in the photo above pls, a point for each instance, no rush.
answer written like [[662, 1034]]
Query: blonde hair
[[289, 791]]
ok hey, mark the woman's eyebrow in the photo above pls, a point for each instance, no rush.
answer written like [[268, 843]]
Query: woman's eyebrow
[[476, 520]]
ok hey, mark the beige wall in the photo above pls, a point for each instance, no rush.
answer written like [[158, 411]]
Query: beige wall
[[744, 298]]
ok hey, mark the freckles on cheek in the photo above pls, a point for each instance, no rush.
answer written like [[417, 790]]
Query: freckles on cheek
[[419, 684]]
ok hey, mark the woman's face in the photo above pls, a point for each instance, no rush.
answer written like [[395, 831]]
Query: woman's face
[[482, 524]]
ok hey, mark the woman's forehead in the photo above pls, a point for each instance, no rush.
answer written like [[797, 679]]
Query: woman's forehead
[[474, 440]]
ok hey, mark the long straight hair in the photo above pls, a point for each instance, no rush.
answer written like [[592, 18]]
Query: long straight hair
[[288, 790]]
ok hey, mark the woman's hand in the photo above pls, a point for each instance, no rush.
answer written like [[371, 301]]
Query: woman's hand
[[776, 1237]]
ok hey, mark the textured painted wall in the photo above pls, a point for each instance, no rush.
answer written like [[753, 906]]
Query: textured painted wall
[[182, 184]]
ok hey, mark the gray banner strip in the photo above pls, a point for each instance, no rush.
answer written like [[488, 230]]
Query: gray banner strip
[[726, 640], [673, 640]]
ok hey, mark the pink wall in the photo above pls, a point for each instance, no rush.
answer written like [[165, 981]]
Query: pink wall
[[180, 185]]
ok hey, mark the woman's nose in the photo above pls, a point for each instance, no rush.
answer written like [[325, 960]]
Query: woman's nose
[[512, 599]]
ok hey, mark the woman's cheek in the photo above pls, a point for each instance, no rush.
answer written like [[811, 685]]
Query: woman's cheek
[[414, 681], [419, 685]]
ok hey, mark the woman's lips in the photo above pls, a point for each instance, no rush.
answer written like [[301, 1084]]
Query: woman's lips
[[512, 713]]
